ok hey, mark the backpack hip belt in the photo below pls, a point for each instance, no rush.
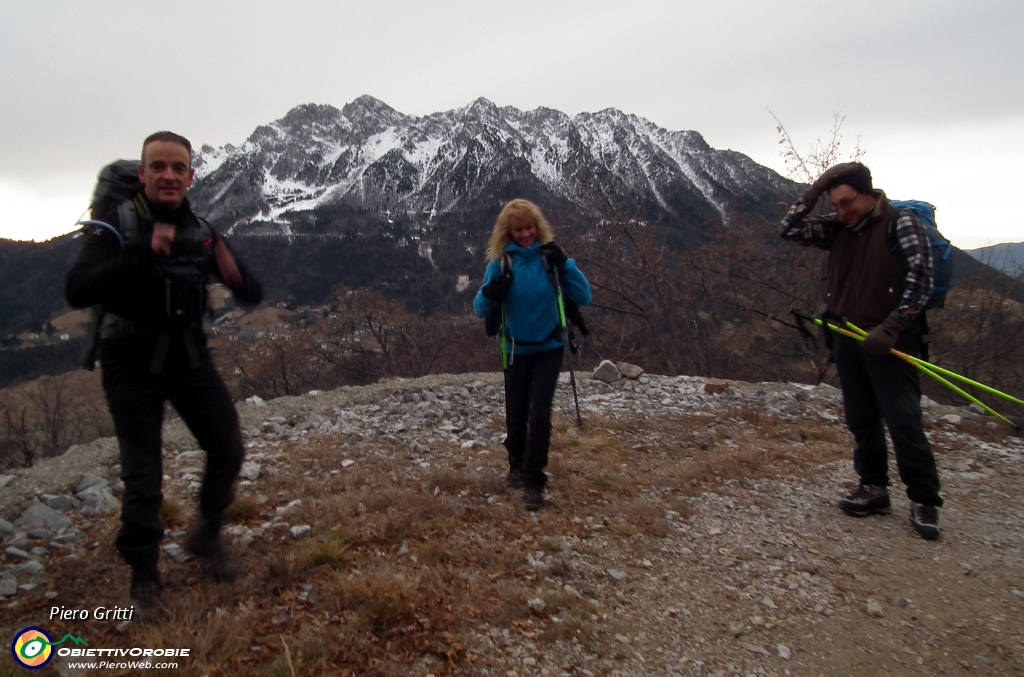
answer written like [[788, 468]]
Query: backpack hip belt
[[115, 327]]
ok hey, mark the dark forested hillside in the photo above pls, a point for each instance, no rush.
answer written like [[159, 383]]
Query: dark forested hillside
[[32, 282]]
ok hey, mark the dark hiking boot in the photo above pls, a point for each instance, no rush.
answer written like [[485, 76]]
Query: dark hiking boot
[[514, 479], [204, 542], [868, 499], [533, 499], [925, 520], [145, 592]]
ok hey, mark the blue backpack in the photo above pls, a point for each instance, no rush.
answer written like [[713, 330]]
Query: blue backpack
[[942, 250]]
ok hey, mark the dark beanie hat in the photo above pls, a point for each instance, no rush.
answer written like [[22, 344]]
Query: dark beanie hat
[[859, 180]]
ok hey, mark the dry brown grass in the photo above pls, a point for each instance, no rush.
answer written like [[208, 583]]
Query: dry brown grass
[[610, 481], [329, 549], [243, 509], [172, 513], [380, 601]]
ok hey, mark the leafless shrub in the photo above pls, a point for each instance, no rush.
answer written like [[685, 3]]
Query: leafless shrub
[[365, 338], [42, 418], [808, 166]]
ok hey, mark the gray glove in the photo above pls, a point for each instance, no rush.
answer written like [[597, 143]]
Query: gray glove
[[882, 338], [818, 188]]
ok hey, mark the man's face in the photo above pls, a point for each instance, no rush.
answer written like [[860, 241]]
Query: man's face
[[850, 205], [166, 172]]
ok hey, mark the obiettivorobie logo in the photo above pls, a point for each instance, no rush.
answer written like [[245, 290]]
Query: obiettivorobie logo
[[33, 647]]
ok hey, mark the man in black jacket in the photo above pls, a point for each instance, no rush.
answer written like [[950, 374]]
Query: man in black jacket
[[150, 280]]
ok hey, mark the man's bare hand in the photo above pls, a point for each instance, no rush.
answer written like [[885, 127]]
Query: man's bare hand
[[163, 236]]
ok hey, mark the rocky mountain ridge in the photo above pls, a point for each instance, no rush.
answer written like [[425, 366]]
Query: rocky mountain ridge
[[373, 159]]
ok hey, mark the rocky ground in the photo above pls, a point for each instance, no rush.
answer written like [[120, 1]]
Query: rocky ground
[[691, 530]]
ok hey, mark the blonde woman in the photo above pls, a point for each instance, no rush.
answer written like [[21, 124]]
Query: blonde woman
[[533, 334]]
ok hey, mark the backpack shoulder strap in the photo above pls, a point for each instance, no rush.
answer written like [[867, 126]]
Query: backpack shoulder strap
[[890, 232], [205, 229], [128, 218]]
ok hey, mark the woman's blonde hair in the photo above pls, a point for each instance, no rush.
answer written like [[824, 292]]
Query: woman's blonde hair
[[516, 210]]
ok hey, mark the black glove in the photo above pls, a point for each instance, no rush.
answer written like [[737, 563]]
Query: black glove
[[497, 289], [818, 188], [882, 338], [553, 255]]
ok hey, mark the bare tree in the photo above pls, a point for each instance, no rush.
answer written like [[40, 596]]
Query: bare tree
[[402, 343], [657, 306], [274, 363], [44, 417], [980, 334], [57, 418], [18, 443], [808, 166]]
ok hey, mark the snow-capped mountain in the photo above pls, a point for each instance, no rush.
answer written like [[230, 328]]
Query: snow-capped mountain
[[302, 173]]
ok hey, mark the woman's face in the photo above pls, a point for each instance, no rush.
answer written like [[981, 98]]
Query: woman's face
[[524, 233]]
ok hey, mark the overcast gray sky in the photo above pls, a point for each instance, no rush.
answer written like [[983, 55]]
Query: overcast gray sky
[[934, 88]]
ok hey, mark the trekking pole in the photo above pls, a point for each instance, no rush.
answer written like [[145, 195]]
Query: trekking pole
[[858, 334], [568, 342], [928, 365]]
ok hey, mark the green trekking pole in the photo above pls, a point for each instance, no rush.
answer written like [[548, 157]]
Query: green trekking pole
[[928, 365], [858, 334], [568, 343]]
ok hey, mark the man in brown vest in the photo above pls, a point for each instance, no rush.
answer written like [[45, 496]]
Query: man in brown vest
[[879, 277]]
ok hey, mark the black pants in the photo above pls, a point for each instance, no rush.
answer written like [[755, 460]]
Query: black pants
[[530, 382], [136, 399], [879, 388]]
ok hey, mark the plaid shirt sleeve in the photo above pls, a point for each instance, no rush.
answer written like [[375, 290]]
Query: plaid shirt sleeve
[[817, 231], [915, 255]]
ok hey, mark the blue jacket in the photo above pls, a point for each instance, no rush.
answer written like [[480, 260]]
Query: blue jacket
[[531, 307]]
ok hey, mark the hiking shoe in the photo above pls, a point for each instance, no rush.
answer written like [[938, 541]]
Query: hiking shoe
[[514, 480], [925, 520], [145, 591], [533, 499], [204, 542], [868, 499]]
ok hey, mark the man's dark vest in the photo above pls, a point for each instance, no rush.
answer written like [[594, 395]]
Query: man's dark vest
[[865, 276]]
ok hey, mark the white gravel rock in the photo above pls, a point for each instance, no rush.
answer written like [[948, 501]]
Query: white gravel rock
[[39, 515], [98, 500], [176, 552], [250, 471], [606, 372]]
